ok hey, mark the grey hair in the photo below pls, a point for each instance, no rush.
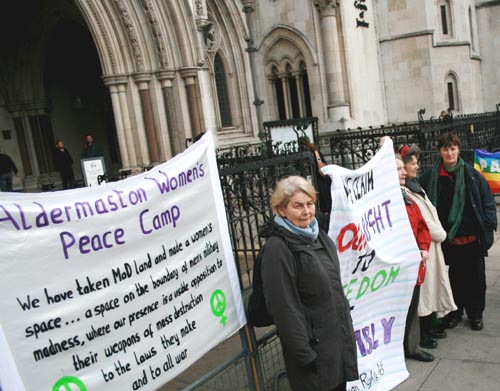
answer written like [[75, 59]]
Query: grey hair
[[287, 187]]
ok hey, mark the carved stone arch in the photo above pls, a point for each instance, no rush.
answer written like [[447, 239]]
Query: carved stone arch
[[28, 85], [227, 14], [212, 35], [134, 24], [299, 63], [287, 51], [302, 64], [224, 58], [272, 67], [452, 73], [295, 37], [157, 34], [121, 31], [105, 26], [180, 21], [286, 64]]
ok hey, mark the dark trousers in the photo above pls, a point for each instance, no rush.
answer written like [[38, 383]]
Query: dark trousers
[[412, 330], [426, 325], [467, 278], [67, 182], [67, 178]]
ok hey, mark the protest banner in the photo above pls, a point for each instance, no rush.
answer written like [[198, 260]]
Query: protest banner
[[379, 261], [487, 163], [117, 287]]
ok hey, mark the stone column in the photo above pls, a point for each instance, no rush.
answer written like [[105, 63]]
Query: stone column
[[122, 139], [337, 105], [286, 94], [30, 180], [189, 76], [249, 9], [118, 90], [297, 75], [271, 79], [166, 77], [142, 80], [36, 143], [23, 145]]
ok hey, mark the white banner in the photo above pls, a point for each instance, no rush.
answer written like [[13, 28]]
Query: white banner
[[117, 287], [379, 261]]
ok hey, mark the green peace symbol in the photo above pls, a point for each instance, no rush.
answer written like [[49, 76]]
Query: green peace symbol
[[218, 303], [66, 381]]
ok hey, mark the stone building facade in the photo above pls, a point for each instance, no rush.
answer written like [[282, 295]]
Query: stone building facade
[[143, 76]]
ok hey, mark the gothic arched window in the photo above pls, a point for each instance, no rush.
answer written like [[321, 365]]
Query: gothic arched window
[[445, 18], [222, 92], [291, 88], [452, 92]]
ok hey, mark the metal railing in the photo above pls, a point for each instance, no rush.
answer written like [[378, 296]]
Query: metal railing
[[353, 148]]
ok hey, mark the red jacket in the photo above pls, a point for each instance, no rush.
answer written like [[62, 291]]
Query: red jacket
[[421, 233], [418, 225]]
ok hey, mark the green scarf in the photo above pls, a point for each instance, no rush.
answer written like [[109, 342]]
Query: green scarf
[[458, 202]]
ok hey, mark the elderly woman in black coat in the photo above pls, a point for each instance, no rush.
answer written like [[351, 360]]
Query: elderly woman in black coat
[[303, 292]]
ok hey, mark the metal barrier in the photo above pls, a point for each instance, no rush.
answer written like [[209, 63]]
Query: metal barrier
[[233, 374]]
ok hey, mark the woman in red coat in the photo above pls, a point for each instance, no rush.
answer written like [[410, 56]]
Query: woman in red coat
[[423, 239]]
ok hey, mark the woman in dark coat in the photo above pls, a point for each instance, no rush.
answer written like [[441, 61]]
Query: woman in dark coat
[[303, 292], [467, 211]]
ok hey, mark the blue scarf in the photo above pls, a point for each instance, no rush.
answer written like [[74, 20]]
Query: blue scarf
[[310, 232]]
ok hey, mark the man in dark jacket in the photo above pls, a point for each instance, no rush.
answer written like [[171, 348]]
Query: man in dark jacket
[[7, 167], [64, 164], [90, 148]]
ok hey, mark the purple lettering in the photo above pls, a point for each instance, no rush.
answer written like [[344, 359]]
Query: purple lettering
[[387, 325]]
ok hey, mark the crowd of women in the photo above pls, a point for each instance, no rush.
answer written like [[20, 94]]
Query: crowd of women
[[453, 215]]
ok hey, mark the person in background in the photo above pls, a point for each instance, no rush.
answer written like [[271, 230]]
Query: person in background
[[64, 164], [90, 148], [411, 342], [467, 210], [303, 292], [7, 167], [446, 117], [324, 182], [436, 297]]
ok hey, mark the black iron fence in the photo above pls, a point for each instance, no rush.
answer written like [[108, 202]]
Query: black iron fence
[[248, 173], [353, 148]]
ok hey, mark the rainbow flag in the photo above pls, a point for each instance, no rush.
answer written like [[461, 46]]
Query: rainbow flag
[[488, 164]]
